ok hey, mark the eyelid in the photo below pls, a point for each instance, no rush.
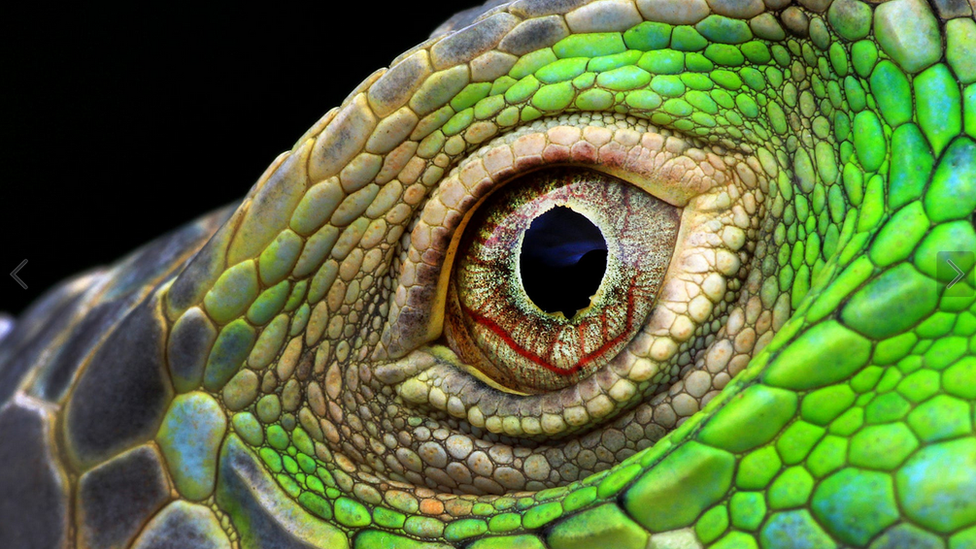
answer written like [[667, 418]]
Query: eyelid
[[665, 166], [716, 237]]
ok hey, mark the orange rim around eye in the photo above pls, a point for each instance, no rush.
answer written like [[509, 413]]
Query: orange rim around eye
[[494, 324]]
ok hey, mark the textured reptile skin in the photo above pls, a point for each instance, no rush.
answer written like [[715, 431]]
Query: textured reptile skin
[[781, 351]]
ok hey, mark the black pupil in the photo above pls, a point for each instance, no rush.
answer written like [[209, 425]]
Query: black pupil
[[563, 259]]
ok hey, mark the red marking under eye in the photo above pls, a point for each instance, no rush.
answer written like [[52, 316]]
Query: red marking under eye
[[525, 353]]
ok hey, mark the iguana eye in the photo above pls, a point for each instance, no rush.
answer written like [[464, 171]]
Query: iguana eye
[[469, 335], [551, 281]]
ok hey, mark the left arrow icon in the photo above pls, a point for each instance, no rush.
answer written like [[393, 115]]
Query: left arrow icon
[[13, 274]]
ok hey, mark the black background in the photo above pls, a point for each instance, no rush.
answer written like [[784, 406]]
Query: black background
[[119, 125]]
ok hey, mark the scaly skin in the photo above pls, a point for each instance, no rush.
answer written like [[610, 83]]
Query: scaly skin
[[803, 377]]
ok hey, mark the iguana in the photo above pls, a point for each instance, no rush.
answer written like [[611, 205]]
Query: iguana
[[771, 343]]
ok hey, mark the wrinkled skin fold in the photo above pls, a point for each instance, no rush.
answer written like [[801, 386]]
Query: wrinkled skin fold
[[780, 352]]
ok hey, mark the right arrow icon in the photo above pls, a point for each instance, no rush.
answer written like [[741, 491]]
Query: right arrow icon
[[955, 268], [959, 274]]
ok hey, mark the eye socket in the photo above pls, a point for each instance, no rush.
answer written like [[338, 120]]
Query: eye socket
[[556, 272]]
